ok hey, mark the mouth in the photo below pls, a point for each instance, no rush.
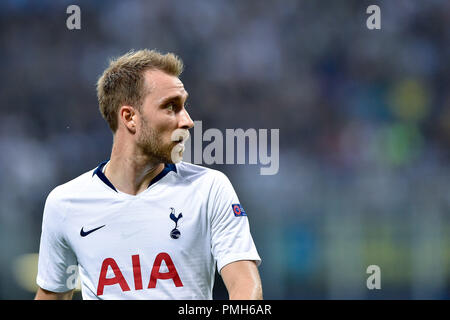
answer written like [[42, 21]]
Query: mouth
[[179, 141], [180, 136], [177, 151]]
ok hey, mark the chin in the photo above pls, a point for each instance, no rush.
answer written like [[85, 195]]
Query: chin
[[176, 155]]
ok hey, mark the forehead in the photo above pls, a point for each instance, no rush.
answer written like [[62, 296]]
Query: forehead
[[162, 85]]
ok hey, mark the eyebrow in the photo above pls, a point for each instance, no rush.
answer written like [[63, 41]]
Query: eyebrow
[[173, 98]]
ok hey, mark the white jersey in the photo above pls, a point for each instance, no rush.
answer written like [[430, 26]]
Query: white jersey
[[163, 243]]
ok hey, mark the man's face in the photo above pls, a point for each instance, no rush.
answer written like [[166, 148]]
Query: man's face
[[162, 113]]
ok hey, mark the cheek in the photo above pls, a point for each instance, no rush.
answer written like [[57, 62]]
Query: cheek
[[162, 133], [161, 124], [165, 124]]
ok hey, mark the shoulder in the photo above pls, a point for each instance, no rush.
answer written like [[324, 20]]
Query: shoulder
[[68, 190], [210, 183], [198, 174]]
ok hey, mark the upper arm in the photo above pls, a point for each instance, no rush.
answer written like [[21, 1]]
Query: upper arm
[[55, 253], [42, 294], [231, 239], [242, 280]]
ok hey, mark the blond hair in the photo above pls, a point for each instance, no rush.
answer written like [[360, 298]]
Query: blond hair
[[122, 83]]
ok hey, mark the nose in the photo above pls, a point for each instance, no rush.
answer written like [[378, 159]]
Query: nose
[[185, 121]]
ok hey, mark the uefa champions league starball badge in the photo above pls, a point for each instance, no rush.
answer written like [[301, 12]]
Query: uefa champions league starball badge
[[175, 233]]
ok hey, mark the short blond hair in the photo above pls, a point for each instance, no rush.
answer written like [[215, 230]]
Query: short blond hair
[[122, 83]]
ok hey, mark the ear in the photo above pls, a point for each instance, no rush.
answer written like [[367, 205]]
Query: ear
[[127, 116]]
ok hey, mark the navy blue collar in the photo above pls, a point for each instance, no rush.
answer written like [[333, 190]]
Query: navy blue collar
[[99, 172]]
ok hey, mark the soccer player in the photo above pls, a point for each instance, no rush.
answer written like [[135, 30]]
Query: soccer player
[[145, 225]]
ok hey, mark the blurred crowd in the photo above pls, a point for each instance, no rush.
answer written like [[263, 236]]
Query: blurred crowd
[[364, 119]]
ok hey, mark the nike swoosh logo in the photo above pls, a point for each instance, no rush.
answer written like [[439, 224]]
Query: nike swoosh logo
[[85, 233]]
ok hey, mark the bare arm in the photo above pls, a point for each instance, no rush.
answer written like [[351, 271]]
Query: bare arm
[[242, 280], [42, 294]]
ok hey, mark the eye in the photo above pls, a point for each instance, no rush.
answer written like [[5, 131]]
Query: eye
[[170, 106]]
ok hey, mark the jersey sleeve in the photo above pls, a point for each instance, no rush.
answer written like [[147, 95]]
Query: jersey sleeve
[[55, 256], [231, 239]]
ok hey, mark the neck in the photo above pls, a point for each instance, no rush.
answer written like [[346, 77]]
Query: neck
[[129, 170]]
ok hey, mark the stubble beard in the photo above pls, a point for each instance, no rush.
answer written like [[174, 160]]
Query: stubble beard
[[152, 145]]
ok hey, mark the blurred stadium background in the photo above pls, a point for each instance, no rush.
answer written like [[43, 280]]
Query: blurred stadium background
[[364, 119]]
